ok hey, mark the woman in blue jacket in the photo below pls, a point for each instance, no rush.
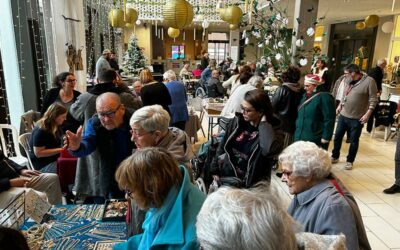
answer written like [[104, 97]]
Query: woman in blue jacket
[[178, 107], [152, 178]]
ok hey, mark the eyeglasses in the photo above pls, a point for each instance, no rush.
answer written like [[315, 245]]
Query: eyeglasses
[[135, 133], [109, 114], [246, 110], [287, 173], [72, 81], [128, 193]]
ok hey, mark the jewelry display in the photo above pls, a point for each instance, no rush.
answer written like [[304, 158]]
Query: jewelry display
[[76, 227], [115, 209], [105, 245], [35, 236]]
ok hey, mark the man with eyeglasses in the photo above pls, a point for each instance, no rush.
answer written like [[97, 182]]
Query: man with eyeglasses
[[104, 143], [356, 106]]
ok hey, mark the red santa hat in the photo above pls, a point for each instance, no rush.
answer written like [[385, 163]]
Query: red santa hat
[[312, 79]]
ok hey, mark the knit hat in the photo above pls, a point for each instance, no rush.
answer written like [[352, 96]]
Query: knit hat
[[312, 79]]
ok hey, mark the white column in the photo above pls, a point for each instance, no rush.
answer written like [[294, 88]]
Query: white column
[[234, 37], [10, 63], [301, 11]]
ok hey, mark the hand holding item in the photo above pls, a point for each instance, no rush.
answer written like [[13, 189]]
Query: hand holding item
[[73, 141]]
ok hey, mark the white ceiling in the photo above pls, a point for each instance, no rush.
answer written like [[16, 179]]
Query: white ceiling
[[334, 11], [338, 11]]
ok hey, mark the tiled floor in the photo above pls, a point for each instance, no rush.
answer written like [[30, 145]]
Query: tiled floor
[[373, 171]]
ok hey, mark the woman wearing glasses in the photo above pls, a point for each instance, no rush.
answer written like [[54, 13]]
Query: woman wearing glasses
[[251, 142], [154, 180], [46, 139], [321, 204], [64, 93]]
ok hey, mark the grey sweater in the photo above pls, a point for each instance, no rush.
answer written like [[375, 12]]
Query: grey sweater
[[360, 98]]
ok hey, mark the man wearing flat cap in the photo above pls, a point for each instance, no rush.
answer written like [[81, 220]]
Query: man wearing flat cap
[[316, 114], [102, 63]]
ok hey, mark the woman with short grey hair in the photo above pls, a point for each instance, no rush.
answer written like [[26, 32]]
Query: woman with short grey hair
[[169, 75], [257, 212], [321, 203], [151, 118]]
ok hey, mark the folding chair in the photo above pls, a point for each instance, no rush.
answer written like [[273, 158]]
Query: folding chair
[[24, 142], [10, 145]]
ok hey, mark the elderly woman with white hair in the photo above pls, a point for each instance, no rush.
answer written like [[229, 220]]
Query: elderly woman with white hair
[[150, 128], [320, 203], [243, 219], [178, 108], [233, 105]]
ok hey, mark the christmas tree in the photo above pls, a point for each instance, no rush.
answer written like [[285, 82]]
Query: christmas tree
[[134, 60]]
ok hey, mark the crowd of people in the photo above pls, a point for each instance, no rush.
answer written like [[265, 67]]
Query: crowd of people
[[132, 144]]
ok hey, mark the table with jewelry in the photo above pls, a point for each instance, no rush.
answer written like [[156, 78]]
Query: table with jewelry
[[75, 227]]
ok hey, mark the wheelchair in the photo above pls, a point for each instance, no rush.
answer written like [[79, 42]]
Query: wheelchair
[[201, 89]]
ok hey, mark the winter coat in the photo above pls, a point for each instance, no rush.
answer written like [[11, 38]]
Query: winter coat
[[178, 108], [100, 153], [178, 144], [285, 103], [215, 88], [178, 231], [265, 148], [315, 118], [323, 210]]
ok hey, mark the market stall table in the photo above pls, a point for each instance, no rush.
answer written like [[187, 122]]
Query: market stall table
[[77, 227]]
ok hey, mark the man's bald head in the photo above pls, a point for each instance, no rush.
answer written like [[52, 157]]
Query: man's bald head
[[110, 110]]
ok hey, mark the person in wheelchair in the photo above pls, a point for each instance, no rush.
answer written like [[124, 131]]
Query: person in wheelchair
[[250, 145], [214, 86]]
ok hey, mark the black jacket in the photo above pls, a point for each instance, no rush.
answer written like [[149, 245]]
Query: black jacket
[[377, 74], [285, 102], [215, 88], [8, 170], [264, 151]]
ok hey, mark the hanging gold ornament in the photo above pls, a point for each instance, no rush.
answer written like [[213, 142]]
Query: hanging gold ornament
[[129, 25], [371, 21], [360, 25], [116, 18], [131, 15], [233, 26], [222, 14], [177, 13], [233, 14], [172, 32]]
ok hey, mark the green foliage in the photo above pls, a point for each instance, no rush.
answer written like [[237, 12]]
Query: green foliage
[[134, 60]]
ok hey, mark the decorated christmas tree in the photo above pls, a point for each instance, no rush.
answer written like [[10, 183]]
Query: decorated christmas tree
[[134, 60]]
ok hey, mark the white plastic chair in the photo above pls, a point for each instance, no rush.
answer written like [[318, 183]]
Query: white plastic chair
[[24, 141], [19, 159]]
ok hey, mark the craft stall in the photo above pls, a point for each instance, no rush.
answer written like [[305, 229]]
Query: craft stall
[[67, 226]]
